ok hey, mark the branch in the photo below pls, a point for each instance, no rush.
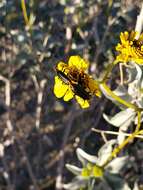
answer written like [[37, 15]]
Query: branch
[[13, 135], [40, 90], [115, 133]]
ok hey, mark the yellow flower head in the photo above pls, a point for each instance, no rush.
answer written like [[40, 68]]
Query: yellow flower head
[[73, 81], [130, 48]]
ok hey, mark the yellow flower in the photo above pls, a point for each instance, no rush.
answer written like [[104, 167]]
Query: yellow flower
[[73, 81], [92, 170], [130, 48]]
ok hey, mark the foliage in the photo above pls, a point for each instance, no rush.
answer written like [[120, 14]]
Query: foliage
[[93, 175]]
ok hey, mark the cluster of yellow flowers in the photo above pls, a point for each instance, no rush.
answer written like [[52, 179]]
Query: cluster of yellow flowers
[[130, 48], [72, 79]]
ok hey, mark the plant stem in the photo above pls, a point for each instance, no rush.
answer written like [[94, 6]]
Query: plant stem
[[23, 6], [118, 99]]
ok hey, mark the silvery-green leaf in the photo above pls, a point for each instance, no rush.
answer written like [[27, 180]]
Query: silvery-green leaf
[[32, 19], [141, 84], [85, 158], [105, 93], [136, 187], [140, 102], [77, 183], [136, 119], [133, 90], [103, 185], [121, 92], [123, 118], [131, 72], [135, 85], [134, 73], [121, 133], [105, 152], [139, 74], [63, 2], [74, 169], [117, 164], [116, 182]]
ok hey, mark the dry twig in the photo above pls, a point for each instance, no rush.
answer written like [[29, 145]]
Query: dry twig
[[13, 136], [62, 151], [9, 128], [40, 90], [115, 133]]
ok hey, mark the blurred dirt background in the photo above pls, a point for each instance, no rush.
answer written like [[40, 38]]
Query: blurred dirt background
[[38, 132]]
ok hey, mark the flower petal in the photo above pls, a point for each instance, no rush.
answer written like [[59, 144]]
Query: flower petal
[[68, 95], [94, 87], [62, 67], [133, 35], [78, 62], [60, 88], [83, 103], [130, 47], [138, 61]]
